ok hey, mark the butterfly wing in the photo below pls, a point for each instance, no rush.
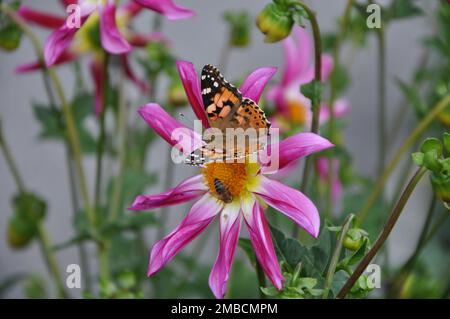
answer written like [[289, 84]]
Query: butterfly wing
[[220, 98], [226, 108]]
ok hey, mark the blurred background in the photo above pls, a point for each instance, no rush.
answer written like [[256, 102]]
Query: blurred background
[[201, 41]]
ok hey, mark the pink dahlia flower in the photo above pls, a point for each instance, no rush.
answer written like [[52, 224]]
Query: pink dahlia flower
[[102, 20], [292, 106], [245, 182]]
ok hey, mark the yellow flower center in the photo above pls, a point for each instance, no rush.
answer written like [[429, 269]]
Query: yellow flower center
[[297, 111], [228, 181]]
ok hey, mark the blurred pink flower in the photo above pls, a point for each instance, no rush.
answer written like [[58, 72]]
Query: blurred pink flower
[[292, 106], [322, 166], [102, 20], [111, 38], [245, 182]]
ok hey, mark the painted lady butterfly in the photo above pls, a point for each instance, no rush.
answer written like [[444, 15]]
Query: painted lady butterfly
[[226, 108]]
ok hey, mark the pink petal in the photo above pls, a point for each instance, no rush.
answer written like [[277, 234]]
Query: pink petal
[[261, 239], [327, 66], [191, 84], [322, 165], [341, 109], [200, 215], [167, 8], [97, 73], [185, 139], [67, 3], [141, 84], [230, 225], [187, 190], [132, 8], [254, 84], [58, 42], [291, 68], [298, 49], [290, 202], [293, 148], [33, 66], [42, 19], [110, 35]]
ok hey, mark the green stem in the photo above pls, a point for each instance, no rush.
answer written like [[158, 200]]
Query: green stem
[[47, 253], [261, 280], [333, 96], [102, 136], [123, 146], [72, 182], [420, 128], [336, 254], [382, 100], [71, 131], [405, 270], [395, 214], [50, 260], [316, 104], [103, 244], [11, 162]]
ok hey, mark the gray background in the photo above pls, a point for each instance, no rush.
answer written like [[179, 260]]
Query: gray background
[[199, 40]]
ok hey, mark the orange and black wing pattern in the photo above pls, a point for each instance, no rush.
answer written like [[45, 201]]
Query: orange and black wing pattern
[[220, 98]]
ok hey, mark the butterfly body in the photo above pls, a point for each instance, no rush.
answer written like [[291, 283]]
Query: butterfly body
[[226, 108]]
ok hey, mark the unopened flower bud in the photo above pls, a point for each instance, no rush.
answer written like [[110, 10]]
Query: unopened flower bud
[[239, 23], [354, 239], [441, 185], [275, 23], [19, 233]]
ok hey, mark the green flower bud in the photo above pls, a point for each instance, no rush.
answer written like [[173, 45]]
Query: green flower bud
[[441, 185], [275, 23], [19, 233], [239, 23], [353, 239]]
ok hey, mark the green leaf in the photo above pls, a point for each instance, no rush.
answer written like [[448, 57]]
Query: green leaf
[[431, 161], [432, 144], [292, 252], [446, 141], [417, 158], [306, 282], [339, 279], [401, 9], [340, 79], [328, 41], [35, 288], [52, 124], [50, 120], [10, 33], [411, 93], [135, 181], [312, 90], [127, 280], [270, 291]]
